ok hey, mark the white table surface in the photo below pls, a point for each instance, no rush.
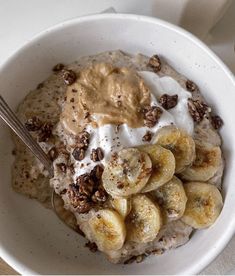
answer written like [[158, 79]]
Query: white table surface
[[21, 19]]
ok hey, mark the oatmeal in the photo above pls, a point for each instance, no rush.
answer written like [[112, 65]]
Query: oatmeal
[[135, 148]]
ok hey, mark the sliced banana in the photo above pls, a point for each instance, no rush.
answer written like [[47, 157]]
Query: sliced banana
[[144, 221], [163, 166], [172, 198], [127, 173], [206, 164], [203, 206], [121, 205], [108, 230], [180, 143]]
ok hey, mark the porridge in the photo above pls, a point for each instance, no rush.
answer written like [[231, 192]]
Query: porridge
[[135, 148]]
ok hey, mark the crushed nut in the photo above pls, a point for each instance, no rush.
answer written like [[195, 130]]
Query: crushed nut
[[99, 196], [78, 201], [167, 101], [155, 63], [52, 153], [45, 132], [58, 67], [151, 115], [84, 206], [197, 110], [33, 124], [216, 122], [92, 246], [191, 86], [147, 137], [97, 154], [86, 184], [78, 154], [97, 172], [83, 139], [69, 77]]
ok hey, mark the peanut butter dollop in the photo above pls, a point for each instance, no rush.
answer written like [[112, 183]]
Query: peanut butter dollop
[[104, 94]]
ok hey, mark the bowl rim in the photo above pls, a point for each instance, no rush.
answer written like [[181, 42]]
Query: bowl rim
[[221, 243]]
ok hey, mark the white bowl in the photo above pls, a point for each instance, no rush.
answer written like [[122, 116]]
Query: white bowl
[[32, 239]]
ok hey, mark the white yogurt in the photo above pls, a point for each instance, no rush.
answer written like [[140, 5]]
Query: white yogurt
[[110, 140]]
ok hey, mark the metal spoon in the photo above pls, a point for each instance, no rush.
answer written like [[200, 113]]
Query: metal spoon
[[9, 117]]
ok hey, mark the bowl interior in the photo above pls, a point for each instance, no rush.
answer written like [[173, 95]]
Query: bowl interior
[[33, 240]]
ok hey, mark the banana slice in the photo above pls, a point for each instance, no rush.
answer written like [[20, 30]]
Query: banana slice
[[108, 230], [180, 143], [121, 205], [203, 206], [172, 198], [163, 166], [207, 162], [144, 221], [126, 173]]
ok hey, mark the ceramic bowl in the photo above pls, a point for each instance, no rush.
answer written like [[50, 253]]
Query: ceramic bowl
[[32, 239]]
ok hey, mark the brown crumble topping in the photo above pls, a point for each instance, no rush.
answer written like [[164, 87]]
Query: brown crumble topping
[[167, 101], [155, 63], [97, 172], [72, 100], [92, 246], [81, 146], [58, 67], [148, 136], [78, 153], [97, 154], [99, 196], [69, 77], [83, 140], [33, 124], [80, 202], [216, 122], [191, 86], [62, 167], [197, 109], [151, 115], [45, 132]]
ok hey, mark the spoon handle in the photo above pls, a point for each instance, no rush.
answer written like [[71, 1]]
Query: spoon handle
[[9, 117]]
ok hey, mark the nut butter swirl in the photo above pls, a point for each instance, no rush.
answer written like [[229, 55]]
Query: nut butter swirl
[[114, 95]]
